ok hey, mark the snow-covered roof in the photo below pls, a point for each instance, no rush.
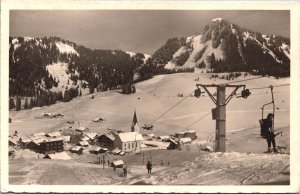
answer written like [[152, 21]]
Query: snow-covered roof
[[82, 129], [26, 140], [173, 141], [164, 137], [85, 138], [98, 119], [58, 156], [109, 136], [84, 143], [91, 135], [180, 133], [76, 148], [118, 162], [130, 136], [54, 134], [185, 140], [14, 141], [66, 138], [39, 134], [97, 149]]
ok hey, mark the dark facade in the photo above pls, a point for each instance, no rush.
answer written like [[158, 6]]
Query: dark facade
[[106, 141], [191, 135], [51, 146]]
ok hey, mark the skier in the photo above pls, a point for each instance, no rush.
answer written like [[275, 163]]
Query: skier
[[125, 170], [149, 167], [267, 131]]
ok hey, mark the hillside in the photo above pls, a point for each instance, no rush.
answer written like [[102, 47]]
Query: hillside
[[243, 164], [223, 46], [54, 64], [152, 98]]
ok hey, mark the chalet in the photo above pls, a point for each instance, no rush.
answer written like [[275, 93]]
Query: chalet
[[103, 150], [116, 151], [191, 134], [82, 129], [185, 140], [46, 115], [65, 138], [148, 127], [33, 145], [40, 134], [91, 137], [95, 150], [53, 134], [23, 142], [51, 146], [77, 149], [151, 135], [83, 143], [85, 138], [117, 164], [106, 140], [164, 138], [98, 120], [12, 142], [173, 145], [179, 134], [129, 141], [75, 138], [57, 115]]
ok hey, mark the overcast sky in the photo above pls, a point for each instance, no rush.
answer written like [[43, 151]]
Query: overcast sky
[[137, 31]]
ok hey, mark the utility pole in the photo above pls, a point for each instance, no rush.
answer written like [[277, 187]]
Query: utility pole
[[219, 113], [143, 158]]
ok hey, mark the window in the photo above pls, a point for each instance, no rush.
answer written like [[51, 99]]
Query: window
[[129, 145]]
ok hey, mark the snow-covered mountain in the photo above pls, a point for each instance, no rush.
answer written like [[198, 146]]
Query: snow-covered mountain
[[222, 46], [54, 64]]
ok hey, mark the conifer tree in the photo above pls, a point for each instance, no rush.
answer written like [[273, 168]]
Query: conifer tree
[[12, 103], [18, 104], [26, 104]]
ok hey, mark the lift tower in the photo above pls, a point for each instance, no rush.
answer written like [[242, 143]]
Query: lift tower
[[219, 113]]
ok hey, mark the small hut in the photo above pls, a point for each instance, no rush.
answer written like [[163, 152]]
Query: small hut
[[117, 164], [77, 149]]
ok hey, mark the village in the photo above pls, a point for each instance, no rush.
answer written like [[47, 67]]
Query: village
[[74, 141]]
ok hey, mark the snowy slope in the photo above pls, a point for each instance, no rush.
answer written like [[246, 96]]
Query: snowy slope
[[65, 48], [218, 39], [59, 73]]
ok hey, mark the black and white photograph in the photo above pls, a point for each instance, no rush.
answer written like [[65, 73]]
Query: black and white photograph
[[160, 97]]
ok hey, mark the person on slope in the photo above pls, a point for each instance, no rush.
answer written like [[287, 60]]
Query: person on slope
[[125, 170], [149, 167], [267, 131]]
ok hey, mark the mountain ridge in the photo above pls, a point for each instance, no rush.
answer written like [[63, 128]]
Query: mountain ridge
[[228, 43]]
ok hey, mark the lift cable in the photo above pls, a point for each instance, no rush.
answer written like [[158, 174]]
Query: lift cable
[[269, 87], [197, 121], [171, 108], [244, 80]]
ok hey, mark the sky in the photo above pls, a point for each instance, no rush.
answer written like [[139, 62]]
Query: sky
[[142, 31]]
